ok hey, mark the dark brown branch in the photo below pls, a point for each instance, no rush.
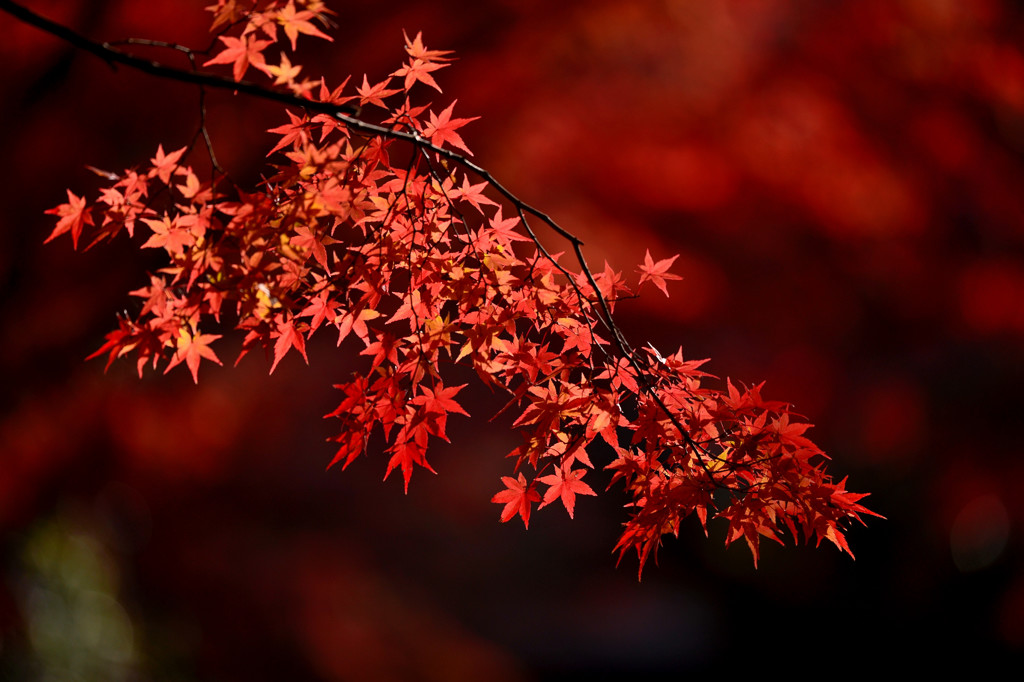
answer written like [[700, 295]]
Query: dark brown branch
[[113, 56]]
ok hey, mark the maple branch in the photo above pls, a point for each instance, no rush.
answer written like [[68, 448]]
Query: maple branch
[[113, 56], [348, 114]]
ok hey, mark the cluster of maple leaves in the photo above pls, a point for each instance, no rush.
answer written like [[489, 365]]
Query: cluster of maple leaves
[[393, 244]]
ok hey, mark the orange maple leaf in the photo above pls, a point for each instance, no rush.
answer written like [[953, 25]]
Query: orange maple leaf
[[417, 50], [164, 165], [296, 22], [192, 348], [242, 53]]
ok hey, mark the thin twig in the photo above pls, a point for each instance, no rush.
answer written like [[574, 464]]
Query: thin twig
[[110, 54]]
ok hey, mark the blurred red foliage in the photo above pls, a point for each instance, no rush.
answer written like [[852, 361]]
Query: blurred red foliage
[[843, 181]]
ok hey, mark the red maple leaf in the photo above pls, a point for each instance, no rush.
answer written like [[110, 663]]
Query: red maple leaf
[[288, 337], [356, 323], [441, 399], [74, 216], [419, 70], [503, 231], [438, 403], [168, 234], [321, 308], [517, 497], [657, 272], [442, 127], [384, 349], [474, 194], [292, 132], [375, 94], [164, 165], [566, 484], [406, 453]]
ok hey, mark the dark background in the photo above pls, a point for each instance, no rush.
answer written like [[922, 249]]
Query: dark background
[[844, 182]]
